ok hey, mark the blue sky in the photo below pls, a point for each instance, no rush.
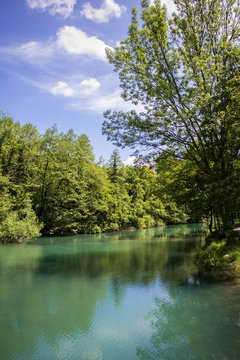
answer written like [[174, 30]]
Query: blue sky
[[53, 67]]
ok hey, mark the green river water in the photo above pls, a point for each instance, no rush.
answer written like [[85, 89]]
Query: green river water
[[120, 296]]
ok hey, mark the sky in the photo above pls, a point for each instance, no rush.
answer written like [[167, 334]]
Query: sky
[[53, 66]]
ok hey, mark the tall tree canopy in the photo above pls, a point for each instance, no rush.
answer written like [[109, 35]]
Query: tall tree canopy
[[185, 73]]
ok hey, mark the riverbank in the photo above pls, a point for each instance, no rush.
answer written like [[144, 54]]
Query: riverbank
[[220, 258]]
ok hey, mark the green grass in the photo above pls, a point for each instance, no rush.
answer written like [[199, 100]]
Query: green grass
[[220, 256]]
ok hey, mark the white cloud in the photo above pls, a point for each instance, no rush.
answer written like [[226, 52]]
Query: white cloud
[[108, 9], [89, 86], [76, 41], [69, 40], [169, 4], [63, 89], [80, 90], [61, 7], [33, 49], [130, 161], [30, 52], [109, 100]]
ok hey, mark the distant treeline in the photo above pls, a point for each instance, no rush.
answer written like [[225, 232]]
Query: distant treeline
[[50, 184]]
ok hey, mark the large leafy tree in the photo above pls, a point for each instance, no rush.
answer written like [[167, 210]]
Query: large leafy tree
[[185, 73]]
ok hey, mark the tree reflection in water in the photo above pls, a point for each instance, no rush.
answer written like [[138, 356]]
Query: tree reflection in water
[[66, 295], [199, 322]]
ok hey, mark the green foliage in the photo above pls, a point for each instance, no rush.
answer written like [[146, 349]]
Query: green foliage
[[114, 166], [19, 226], [185, 71], [51, 183], [220, 256], [18, 222]]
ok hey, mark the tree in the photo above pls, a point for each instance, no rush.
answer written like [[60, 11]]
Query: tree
[[185, 72], [18, 178], [65, 202], [114, 165]]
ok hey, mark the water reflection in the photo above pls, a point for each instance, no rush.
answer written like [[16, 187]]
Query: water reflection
[[46, 308], [197, 323], [87, 297]]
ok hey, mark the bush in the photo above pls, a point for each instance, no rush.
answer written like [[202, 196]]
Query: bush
[[219, 255], [20, 225]]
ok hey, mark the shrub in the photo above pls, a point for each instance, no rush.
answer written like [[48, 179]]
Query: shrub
[[20, 225]]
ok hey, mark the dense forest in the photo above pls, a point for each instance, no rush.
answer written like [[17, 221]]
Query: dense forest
[[52, 185]]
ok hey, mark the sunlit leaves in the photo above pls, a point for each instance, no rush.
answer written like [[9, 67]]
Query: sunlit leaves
[[185, 73]]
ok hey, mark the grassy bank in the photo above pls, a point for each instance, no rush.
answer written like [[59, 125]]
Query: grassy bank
[[220, 257]]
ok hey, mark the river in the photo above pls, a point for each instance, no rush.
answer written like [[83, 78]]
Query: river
[[117, 296]]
